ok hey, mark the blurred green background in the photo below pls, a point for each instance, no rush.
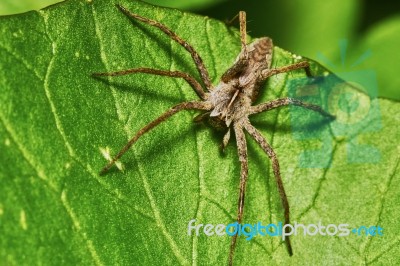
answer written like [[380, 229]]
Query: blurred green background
[[343, 35]]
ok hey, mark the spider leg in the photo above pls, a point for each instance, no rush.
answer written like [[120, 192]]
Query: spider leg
[[266, 73], [242, 60], [177, 108], [288, 101], [195, 56], [243, 31], [244, 172], [242, 24], [175, 74], [275, 166]]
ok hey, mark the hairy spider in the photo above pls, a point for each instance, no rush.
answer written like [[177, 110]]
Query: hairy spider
[[228, 103]]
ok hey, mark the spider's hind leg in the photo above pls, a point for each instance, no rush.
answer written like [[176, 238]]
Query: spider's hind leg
[[244, 173], [176, 109], [275, 166]]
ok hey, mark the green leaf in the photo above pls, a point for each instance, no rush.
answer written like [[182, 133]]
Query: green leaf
[[56, 123]]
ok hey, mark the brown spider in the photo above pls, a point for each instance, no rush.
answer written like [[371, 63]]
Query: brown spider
[[228, 103]]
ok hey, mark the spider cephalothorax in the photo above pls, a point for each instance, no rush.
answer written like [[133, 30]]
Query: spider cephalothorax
[[238, 88], [229, 103]]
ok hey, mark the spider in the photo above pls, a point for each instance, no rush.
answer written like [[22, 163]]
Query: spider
[[229, 103]]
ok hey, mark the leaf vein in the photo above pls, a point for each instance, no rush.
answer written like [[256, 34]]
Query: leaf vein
[[319, 187], [78, 227], [26, 154], [384, 194]]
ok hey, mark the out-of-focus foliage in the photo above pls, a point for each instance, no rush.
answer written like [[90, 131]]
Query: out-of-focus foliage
[[8, 7]]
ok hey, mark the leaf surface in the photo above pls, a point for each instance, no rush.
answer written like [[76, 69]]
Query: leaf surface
[[57, 123]]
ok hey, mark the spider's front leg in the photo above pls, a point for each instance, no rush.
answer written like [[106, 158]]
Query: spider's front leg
[[265, 74], [272, 72], [242, 60], [244, 173]]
